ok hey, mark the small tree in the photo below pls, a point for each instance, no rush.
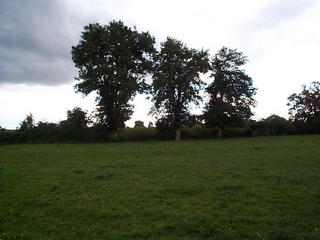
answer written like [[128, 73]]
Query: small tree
[[231, 92], [176, 82], [305, 106], [27, 129], [27, 123], [47, 132], [112, 61], [150, 124], [138, 124], [75, 127], [276, 125], [77, 118]]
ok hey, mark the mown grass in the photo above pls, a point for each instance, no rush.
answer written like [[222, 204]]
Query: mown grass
[[245, 188]]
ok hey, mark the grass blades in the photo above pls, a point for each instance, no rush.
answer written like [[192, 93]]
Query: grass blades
[[244, 188]]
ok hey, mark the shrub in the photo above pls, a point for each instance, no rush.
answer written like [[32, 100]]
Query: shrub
[[237, 132], [136, 134], [9, 136], [138, 124], [198, 132]]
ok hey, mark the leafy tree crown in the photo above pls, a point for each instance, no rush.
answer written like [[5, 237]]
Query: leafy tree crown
[[231, 92], [113, 60], [305, 106], [176, 80]]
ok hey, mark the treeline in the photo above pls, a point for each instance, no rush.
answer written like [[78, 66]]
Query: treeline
[[118, 62], [78, 128]]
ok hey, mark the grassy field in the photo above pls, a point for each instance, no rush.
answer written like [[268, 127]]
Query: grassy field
[[245, 188]]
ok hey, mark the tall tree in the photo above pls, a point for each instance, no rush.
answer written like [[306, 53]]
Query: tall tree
[[176, 81], [113, 60], [231, 92], [305, 106]]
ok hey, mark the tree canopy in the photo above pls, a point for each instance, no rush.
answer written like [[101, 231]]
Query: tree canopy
[[305, 106], [75, 126], [27, 123], [231, 92], [176, 81], [113, 60]]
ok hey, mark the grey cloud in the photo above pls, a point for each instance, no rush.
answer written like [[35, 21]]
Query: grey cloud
[[38, 26], [34, 43], [31, 68], [36, 38]]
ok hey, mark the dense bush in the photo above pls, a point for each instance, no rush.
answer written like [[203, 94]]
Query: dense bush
[[198, 132], [75, 129], [273, 125], [237, 132], [9, 137], [47, 133], [98, 133], [136, 134]]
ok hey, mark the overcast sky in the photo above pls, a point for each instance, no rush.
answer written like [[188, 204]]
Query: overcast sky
[[281, 39]]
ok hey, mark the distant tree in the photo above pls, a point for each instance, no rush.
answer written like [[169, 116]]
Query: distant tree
[[27, 123], [47, 132], [138, 124], [150, 125], [176, 82], [77, 118], [27, 131], [231, 92], [257, 127], [112, 61], [75, 126], [276, 125], [305, 106]]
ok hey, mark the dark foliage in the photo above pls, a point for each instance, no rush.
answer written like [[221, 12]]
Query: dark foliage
[[27, 123], [52, 133], [135, 134], [165, 128], [47, 132], [193, 120], [138, 124], [231, 92], [150, 124], [9, 136], [304, 107], [27, 129], [75, 127], [112, 61], [276, 125], [176, 82]]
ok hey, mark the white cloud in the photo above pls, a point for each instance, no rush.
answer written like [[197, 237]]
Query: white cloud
[[45, 103]]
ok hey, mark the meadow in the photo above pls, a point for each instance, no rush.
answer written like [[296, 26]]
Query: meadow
[[241, 188]]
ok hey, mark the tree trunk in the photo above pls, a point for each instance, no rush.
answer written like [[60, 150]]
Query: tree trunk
[[178, 134], [219, 132]]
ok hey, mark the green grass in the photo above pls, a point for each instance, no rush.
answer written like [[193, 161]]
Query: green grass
[[245, 188]]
